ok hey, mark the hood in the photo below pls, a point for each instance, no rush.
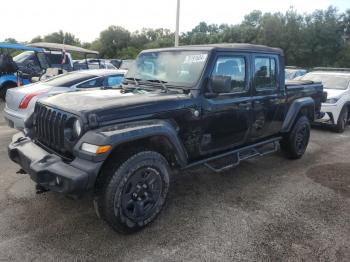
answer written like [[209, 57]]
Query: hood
[[109, 105], [334, 93]]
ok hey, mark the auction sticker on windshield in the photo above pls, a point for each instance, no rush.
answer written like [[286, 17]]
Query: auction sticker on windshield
[[199, 58]]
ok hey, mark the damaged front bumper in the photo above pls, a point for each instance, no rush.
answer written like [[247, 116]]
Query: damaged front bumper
[[51, 171], [330, 114]]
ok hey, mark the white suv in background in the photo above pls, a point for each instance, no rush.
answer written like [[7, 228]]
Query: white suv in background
[[336, 83]]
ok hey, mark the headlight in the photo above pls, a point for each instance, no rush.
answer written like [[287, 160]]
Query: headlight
[[332, 100], [77, 128]]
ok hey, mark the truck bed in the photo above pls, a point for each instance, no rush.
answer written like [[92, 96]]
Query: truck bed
[[301, 88]]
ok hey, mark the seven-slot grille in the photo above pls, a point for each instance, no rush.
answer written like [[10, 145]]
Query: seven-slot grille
[[49, 125]]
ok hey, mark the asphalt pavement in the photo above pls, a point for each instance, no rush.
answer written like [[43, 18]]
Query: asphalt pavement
[[266, 209]]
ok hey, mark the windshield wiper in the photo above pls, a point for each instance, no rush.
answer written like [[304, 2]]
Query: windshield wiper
[[136, 84], [136, 80], [161, 82]]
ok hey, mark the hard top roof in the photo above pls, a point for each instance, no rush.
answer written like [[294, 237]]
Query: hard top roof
[[59, 47], [224, 47]]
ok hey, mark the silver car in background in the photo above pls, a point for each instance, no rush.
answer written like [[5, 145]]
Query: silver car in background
[[20, 101]]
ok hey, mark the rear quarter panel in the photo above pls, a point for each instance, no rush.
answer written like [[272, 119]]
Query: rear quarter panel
[[315, 91]]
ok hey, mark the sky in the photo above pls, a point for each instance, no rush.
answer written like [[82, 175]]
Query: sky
[[86, 19]]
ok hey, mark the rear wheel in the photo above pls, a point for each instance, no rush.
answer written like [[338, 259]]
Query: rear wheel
[[294, 144], [342, 121], [135, 191], [4, 88]]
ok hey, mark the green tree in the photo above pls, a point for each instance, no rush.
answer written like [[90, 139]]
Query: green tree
[[321, 38], [11, 40], [59, 37], [112, 40], [37, 39]]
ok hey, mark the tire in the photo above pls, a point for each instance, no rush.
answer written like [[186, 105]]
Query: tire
[[134, 192], [4, 88], [342, 121], [294, 144]]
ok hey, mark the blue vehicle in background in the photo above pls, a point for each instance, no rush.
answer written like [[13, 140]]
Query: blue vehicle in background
[[19, 70]]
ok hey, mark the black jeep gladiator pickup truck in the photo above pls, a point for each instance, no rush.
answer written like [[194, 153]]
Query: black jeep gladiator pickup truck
[[211, 105]]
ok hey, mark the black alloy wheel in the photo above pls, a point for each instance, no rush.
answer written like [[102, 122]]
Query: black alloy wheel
[[141, 193]]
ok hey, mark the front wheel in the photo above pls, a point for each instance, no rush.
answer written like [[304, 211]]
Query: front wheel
[[294, 143], [135, 192], [342, 121]]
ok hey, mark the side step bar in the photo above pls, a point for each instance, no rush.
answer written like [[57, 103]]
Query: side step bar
[[231, 159]]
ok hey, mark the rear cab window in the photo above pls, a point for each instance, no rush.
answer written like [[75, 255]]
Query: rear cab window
[[265, 73]]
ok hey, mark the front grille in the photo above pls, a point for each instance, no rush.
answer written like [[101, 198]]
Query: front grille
[[49, 126]]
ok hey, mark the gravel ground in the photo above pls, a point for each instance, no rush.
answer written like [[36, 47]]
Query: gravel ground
[[267, 209]]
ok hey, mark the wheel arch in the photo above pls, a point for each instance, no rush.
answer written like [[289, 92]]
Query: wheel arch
[[6, 85], [155, 135], [302, 106]]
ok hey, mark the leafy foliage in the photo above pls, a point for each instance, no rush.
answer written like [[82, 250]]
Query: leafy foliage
[[58, 37], [321, 38]]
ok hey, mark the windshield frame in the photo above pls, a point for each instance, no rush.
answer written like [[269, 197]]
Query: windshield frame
[[304, 77], [169, 84]]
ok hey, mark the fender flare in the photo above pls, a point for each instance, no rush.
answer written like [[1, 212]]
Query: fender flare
[[294, 109], [119, 134], [7, 79]]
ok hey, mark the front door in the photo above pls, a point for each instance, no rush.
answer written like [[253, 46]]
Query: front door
[[227, 117]]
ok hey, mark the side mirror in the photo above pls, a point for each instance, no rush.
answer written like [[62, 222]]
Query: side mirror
[[220, 84]]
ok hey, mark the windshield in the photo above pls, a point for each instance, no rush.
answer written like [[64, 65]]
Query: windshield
[[329, 81], [178, 68], [68, 80], [22, 57]]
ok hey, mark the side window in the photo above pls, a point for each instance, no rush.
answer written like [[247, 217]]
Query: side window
[[234, 67], [265, 73], [113, 81], [91, 83]]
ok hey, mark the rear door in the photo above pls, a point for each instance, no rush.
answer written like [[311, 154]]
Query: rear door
[[268, 98], [227, 117]]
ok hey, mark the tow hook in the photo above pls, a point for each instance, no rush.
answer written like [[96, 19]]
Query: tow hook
[[40, 189], [21, 172]]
